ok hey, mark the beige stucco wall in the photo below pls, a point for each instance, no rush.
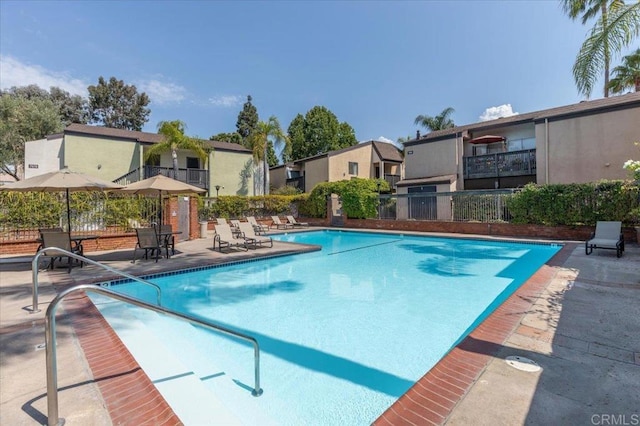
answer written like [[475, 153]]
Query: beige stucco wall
[[315, 171], [587, 148], [431, 159], [42, 156], [339, 163], [233, 170], [105, 158]]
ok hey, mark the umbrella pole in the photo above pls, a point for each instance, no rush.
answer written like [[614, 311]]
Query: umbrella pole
[[68, 213]]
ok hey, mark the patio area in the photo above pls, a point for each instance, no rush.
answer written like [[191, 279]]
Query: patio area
[[578, 320]]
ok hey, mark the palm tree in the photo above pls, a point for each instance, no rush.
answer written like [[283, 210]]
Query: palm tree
[[175, 139], [265, 132], [627, 75], [616, 27], [439, 122]]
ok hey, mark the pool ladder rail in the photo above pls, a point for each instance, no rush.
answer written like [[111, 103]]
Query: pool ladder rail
[[50, 325]]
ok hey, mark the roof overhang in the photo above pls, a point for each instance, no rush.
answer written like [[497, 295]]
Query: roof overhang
[[433, 180]]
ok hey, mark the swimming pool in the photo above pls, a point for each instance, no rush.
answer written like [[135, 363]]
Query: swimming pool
[[344, 332]]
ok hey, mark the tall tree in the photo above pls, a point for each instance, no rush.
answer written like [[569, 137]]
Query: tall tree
[[72, 108], [175, 139], [439, 122], [118, 105], [615, 28], [265, 132], [272, 158], [23, 119], [627, 75], [247, 121], [227, 137], [319, 131]]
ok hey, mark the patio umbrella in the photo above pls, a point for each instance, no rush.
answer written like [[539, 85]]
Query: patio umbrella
[[160, 184], [61, 180]]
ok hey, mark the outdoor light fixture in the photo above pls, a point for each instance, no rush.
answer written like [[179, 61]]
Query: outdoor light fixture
[[217, 187]]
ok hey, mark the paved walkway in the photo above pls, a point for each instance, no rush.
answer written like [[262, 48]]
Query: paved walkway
[[582, 330]]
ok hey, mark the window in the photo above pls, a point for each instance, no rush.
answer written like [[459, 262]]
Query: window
[[353, 168], [193, 163]]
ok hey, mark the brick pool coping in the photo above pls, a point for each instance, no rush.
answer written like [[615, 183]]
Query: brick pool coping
[[131, 398]]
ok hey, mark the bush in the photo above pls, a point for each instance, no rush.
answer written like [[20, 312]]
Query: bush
[[359, 198], [237, 206], [574, 204]]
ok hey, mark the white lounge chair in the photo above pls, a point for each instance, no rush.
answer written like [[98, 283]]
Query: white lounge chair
[[292, 220], [221, 221], [259, 229], [224, 237], [250, 235], [279, 224], [608, 235]]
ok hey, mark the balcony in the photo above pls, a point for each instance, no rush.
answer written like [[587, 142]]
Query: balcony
[[392, 180], [514, 163], [195, 177]]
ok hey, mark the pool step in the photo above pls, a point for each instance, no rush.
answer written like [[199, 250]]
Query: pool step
[[186, 377]]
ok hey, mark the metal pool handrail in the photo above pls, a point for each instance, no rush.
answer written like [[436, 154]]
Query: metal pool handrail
[[34, 271], [50, 341]]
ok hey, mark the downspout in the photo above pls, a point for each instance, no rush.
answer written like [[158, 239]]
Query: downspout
[[546, 150]]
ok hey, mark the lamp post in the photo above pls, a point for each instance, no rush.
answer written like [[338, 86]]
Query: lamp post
[[217, 187]]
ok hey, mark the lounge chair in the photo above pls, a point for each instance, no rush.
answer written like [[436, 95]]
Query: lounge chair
[[608, 235], [61, 240], [258, 228], [224, 237], [250, 235], [235, 227], [292, 220], [147, 241], [280, 225], [221, 221]]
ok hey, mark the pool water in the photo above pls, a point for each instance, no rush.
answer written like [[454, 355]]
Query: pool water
[[344, 331]]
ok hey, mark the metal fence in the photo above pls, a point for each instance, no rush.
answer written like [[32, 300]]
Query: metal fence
[[22, 214], [461, 206]]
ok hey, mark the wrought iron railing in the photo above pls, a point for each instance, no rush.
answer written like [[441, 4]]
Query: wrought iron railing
[[460, 206], [392, 179], [514, 163]]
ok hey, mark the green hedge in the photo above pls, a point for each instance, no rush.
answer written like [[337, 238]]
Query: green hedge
[[236, 206], [576, 204]]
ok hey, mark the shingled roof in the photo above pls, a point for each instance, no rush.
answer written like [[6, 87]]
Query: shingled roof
[[142, 137], [630, 100]]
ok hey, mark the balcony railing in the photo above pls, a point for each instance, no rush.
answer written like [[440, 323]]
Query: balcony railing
[[392, 179], [514, 163], [195, 177]]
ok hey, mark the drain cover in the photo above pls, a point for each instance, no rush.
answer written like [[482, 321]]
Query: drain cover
[[524, 364]]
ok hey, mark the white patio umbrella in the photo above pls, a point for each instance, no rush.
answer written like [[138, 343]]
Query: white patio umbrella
[[61, 180], [160, 184]]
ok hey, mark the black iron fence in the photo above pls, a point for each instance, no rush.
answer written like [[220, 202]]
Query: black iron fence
[[462, 206]]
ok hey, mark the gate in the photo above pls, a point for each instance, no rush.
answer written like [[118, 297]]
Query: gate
[[183, 218]]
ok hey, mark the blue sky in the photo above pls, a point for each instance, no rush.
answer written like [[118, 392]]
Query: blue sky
[[376, 65]]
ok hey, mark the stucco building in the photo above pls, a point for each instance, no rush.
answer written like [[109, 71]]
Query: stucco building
[[371, 160], [119, 155], [584, 142]]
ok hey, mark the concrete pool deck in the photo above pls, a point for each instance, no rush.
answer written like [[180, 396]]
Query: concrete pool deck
[[577, 318]]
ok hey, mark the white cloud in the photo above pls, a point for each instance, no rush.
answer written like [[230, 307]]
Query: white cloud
[[162, 93], [500, 111], [16, 73], [227, 101]]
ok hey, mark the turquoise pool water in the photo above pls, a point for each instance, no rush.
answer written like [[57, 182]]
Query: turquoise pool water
[[345, 331]]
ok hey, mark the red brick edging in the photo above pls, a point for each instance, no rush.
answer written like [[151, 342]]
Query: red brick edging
[[130, 396], [432, 399]]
